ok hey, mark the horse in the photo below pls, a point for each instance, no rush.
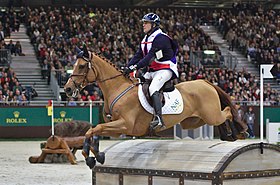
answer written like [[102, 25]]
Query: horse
[[203, 103]]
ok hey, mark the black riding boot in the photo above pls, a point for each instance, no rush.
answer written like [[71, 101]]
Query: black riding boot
[[157, 121]]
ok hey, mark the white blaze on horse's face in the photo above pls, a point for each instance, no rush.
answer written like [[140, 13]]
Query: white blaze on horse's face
[[80, 69], [78, 79]]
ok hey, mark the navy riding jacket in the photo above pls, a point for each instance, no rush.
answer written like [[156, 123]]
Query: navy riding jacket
[[161, 42]]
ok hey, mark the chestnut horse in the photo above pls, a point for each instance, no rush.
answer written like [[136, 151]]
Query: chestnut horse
[[203, 103]]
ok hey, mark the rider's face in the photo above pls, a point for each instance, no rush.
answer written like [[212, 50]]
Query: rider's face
[[147, 26]]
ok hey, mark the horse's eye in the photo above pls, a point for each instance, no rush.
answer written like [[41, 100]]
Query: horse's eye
[[82, 66]]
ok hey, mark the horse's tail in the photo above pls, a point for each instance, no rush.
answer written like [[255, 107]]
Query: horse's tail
[[226, 101]]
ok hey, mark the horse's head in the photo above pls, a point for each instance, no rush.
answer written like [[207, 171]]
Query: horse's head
[[83, 73]]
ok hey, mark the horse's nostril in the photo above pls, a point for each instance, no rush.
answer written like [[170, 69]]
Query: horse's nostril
[[68, 90]]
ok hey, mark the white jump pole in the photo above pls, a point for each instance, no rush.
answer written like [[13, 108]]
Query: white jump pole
[[265, 72], [261, 104], [52, 119], [90, 112]]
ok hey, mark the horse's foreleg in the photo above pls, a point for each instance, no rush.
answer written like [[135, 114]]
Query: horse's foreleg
[[100, 156], [109, 129], [90, 144], [113, 128]]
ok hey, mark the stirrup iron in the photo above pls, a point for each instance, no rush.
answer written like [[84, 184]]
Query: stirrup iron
[[157, 123]]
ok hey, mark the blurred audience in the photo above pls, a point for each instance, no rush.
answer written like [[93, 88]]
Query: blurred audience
[[56, 31]]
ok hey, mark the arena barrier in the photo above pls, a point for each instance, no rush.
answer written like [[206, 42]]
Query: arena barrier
[[188, 162]]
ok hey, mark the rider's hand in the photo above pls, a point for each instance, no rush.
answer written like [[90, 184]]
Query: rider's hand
[[130, 69]]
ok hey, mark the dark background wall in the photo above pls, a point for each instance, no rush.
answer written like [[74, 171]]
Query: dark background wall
[[130, 3]]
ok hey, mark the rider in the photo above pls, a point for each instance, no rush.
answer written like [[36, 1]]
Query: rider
[[157, 51]]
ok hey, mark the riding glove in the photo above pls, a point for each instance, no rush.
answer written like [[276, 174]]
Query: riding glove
[[130, 69]]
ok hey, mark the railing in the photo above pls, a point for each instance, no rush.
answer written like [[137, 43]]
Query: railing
[[211, 59], [257, 103], [61, 77], [5, 57], [100, 103], [54, 84], [55, 103], [229, 61]]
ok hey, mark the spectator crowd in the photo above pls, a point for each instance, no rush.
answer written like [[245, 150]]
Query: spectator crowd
[[115, 33]]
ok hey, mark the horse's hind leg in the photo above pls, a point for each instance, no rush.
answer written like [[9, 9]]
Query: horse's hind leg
[[226, 114], [227, 130], [223, 120], [192, 123], [216, 116]]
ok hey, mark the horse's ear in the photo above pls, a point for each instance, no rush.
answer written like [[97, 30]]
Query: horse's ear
[[79, 52], [86, 54]]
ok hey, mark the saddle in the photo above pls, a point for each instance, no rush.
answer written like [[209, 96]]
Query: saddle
[[172, 101], [167, 87]]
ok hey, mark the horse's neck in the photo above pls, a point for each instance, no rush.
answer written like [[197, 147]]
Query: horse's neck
[[113, 87], [113, 84]]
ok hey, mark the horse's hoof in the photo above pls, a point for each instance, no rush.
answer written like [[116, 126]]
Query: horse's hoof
[[90, 161], [228, 138], [241, 136], [100, 157]]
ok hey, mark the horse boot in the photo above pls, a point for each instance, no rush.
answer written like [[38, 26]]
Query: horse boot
[[94, 148], [90, 161], [86, 148], [157, 120]]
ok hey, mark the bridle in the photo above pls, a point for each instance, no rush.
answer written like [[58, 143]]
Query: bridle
[[80, 86]]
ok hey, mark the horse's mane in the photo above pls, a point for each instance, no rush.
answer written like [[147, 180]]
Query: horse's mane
[[109, 62]]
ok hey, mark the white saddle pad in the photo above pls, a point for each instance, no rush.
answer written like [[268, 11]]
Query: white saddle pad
[[173, 102]]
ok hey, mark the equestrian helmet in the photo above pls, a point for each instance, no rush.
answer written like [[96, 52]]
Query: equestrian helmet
[[151, 17]]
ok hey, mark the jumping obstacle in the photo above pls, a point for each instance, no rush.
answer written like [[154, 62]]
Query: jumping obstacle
[[60, 145], [188, 162]]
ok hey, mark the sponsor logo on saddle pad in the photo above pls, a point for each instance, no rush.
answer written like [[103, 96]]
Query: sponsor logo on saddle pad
[[173, 102]]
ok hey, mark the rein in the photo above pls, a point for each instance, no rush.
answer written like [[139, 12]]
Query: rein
[[110, 78]]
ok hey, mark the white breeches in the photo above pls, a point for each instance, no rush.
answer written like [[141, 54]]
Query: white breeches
[[158, 79]]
